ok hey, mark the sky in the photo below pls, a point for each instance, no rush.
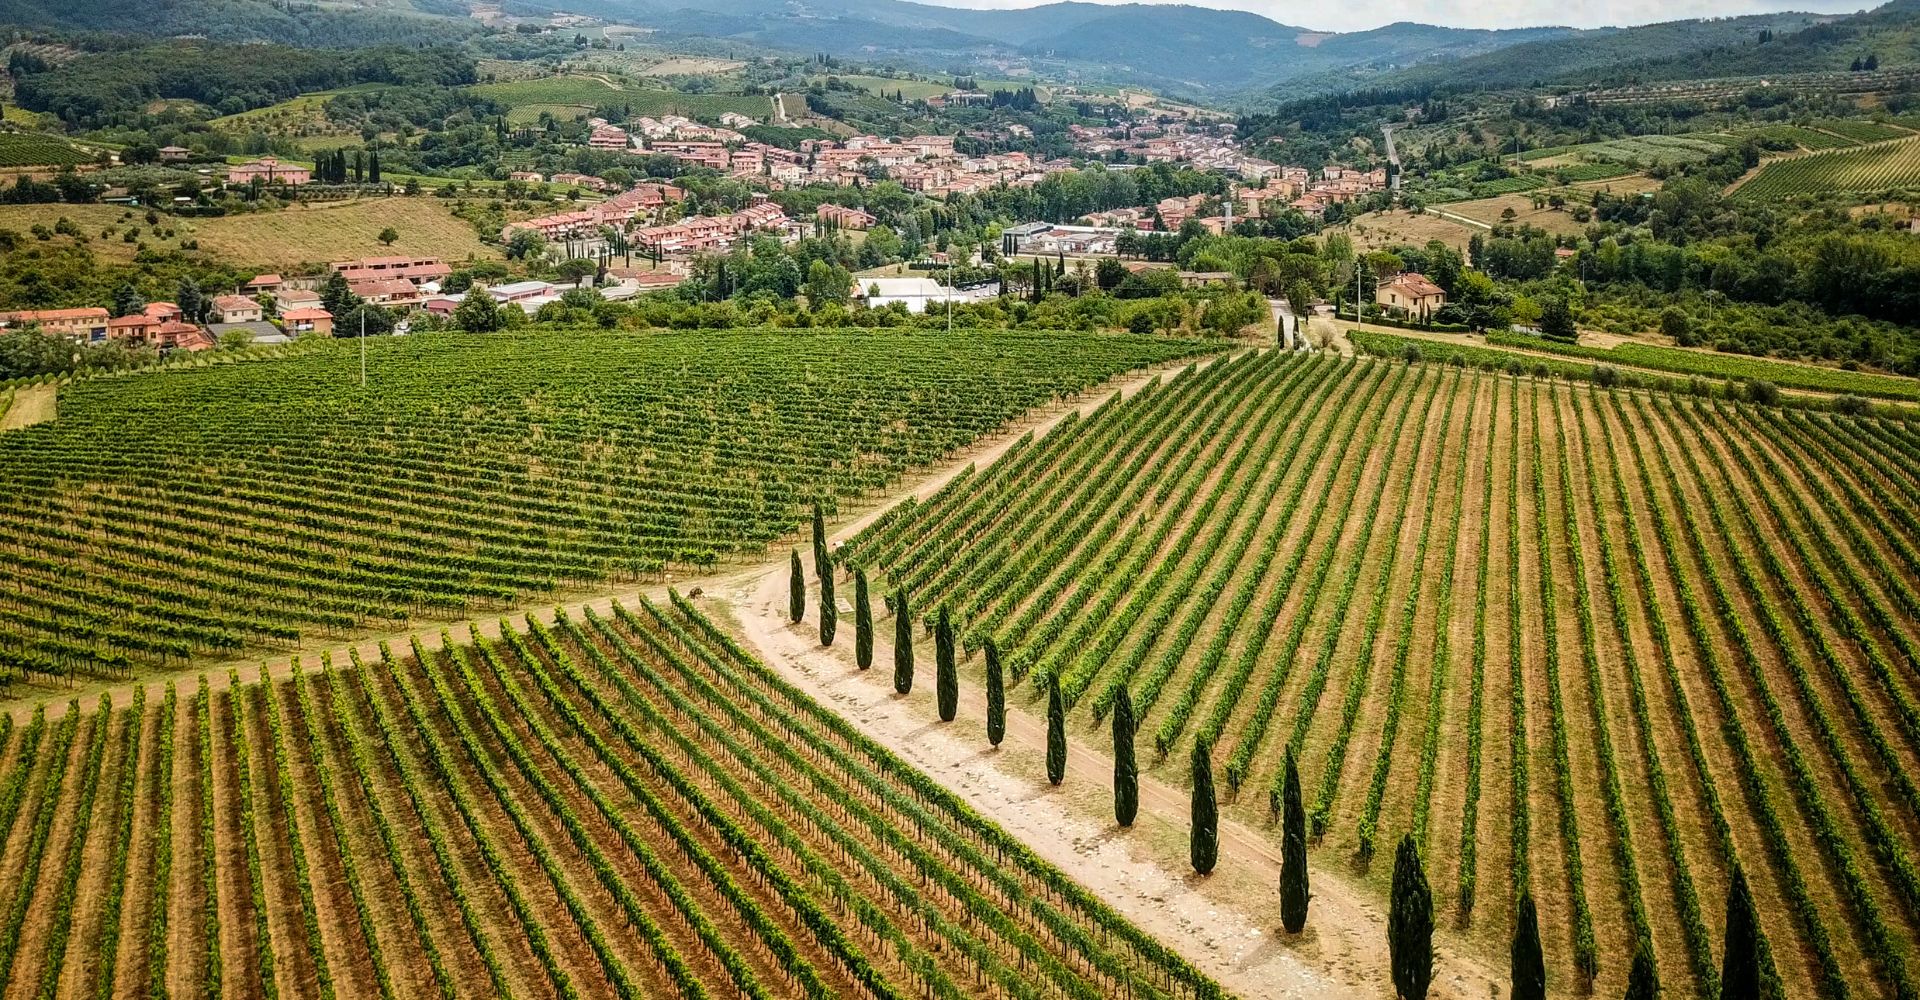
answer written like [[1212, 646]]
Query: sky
[[1483, 13]]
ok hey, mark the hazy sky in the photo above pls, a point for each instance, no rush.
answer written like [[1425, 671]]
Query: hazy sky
[[1483, 13]]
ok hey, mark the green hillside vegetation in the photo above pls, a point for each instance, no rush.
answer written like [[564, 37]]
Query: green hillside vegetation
[[25, 150], [569, 96]]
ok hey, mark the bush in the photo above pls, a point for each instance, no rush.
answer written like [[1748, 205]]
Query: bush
[[1763, 392], [1606, 375]]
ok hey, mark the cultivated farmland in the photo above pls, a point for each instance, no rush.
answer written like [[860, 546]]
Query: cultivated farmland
[[470, 472], [618, 805], [1600, 644], [1883, 166]]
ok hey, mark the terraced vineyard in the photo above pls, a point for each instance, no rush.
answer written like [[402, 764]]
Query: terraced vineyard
[[619, 806], [21, 149], [206, 511], [1879, 167], [1598, 644]]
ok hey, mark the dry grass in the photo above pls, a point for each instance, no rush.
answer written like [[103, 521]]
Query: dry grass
[[1375, 230], [302, 234]]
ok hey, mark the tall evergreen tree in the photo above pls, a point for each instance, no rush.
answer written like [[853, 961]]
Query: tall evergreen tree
[[1410, 924], [1126, 773], [996, 696], [902, 644], [796, 591], [1529, 966], [1643, 983], [946, 677], [1740, 967], [1203, 843], [829, 611], [862, 621], [1293, 854], [820, 566], [1056, 734]]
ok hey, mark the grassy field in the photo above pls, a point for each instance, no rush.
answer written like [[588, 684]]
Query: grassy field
[[1883, 166], [301, 234], [570, 96], [1598, 645]]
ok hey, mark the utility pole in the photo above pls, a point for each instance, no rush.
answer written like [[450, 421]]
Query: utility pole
[[363, 347]]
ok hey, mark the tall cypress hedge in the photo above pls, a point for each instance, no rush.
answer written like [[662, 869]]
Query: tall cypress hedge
[[946, 677], [1056, 733], [1203, 843], [1529, 966], [1740, 966], [1126, 774], [797, 591], [902, 644], [862, 621], [1294, 892], [829, 611], [996, 696], [1410, 924]]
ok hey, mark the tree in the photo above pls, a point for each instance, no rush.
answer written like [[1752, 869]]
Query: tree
[[946, 678], [1674, 323], [996, 696], [796, 591], [1410, 924], [389, 236], [1529, 967], [1293, 854], [478, 313], [1056, 733], [1556, 320], [1643, 983], [192, 302], [829, 612], [1740, 967], [1203, 843], [336, 296], [902, 644], [820, 561], [127, 301], [1126, 774], [862, 622]]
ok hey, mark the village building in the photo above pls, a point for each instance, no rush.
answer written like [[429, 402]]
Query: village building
[[75, 324], [268, 170], [843, 217], [308, 320], [1411, 294], [237, 309], [418, 270], [294, 298], [264, 283]]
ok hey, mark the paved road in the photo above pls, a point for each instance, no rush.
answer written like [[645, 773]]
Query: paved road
[[1393, 157]]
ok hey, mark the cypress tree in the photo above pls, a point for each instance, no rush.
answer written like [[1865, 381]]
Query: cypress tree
[[829, 613], [820, 562], [996, 696], [1293, 854], [1740, 967], [1203, 845], [862, 621], [946, 677], [797, 591], [1410, 924], [1642, 982], [902, 644], [1126, 775], [1529, 967], [1056, 734]]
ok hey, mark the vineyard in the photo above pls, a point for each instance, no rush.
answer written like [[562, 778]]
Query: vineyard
[[1879, 167], [1724, 366], [216, 511], [20, 149], [1602, 645], [607, 806]]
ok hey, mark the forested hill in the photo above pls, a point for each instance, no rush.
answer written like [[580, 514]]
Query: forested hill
[[396, 22], [1753, 45]]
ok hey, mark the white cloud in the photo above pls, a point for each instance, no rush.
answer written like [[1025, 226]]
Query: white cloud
[[1479, 13]]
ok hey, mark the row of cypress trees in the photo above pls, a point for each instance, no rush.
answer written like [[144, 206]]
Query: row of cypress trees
[[1410, 919]]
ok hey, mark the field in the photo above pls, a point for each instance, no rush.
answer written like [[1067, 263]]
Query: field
[[1602, 645], [568, 96], [611, 805], [304, 233], [1728, 366], [1643, 151], [1878, 167], [19, 149], [473, 473]]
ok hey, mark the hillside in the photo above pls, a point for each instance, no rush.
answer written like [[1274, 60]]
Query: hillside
[[392, 23]]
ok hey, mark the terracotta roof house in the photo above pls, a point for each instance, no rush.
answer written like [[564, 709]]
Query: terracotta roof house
[[414, 269], [237, 309], [842, 217], [268, 283], [308, 320], [294, 298], [77, 324], [269, 171], [1411, 293], [386, 291]]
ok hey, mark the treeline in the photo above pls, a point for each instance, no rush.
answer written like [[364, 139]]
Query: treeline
[[302, 24], [116, 86]]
